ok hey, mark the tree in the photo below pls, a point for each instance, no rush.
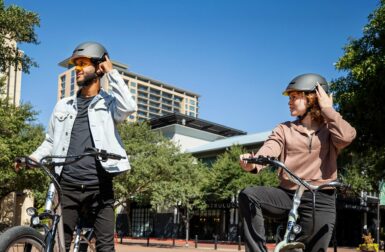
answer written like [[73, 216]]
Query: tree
[[16, 25], [358, 97], [227, 177], [18, 137], [160, 174]]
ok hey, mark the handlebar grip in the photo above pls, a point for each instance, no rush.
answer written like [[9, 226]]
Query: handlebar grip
[[26, 161], [258, 160], [20, 160]]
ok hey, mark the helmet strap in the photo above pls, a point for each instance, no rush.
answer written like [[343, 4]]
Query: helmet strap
[[301, 117]]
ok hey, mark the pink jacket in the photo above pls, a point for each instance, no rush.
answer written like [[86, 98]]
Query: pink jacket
[[314, 157]]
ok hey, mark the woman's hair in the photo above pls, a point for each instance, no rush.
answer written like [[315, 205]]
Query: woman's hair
[[315, 110]]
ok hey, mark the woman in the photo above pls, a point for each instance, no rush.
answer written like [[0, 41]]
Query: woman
[[309, 147]]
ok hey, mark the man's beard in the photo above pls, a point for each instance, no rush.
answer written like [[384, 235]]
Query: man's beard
[[88, 79]]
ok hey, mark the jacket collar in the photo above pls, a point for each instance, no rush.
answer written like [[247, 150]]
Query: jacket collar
[[301, 129], [101, 95]]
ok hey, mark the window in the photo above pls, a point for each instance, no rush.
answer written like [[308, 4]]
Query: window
[[154, 91], [192, 114], [192, 102], [141, 220], [177, 98], [142, 107], [166, 107], [142, 113], [141, 94], [143, 88], [153, 116], [154, 104], [192, 108], [166, 101], [167, 95], [72, 88], [154, 98], [133, 84], [156, 111], [133, 91], [63, 84], [142, 101]]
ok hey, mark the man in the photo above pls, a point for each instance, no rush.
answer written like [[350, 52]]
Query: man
[[88, 119]]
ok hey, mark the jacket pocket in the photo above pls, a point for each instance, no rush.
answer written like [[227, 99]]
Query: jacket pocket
[[61, 116]]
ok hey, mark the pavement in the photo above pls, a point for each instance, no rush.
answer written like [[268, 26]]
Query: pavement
[[159, 245]]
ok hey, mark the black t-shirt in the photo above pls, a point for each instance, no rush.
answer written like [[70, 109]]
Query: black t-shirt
[[88, 170]]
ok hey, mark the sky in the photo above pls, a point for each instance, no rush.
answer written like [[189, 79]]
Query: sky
[[238, 55]]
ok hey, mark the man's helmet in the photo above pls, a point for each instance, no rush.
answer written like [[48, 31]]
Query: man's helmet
[[306, 83], [91, 50]]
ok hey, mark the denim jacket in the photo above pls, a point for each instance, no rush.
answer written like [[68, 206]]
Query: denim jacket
[[104, 112]]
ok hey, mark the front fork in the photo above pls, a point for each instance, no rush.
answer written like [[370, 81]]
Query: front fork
[[288, 240]]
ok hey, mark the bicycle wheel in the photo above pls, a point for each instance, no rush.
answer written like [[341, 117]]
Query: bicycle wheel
[[22, 239]]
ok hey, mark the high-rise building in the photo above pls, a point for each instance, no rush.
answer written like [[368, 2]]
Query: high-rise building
[[154, 98], [11, 90]]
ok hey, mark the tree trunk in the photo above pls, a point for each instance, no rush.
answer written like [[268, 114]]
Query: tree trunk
[[187, 220], [128, 211]]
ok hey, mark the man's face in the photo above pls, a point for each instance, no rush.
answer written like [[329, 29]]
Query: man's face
[[85, 71]]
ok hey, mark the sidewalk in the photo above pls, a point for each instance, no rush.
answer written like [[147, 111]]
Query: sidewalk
[[158, 245]]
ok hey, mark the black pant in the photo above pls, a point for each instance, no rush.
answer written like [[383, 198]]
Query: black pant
[[260, 201], [98, 203]]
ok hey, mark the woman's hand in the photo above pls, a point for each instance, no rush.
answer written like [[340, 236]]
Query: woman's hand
[[247, 166], [324, 100]]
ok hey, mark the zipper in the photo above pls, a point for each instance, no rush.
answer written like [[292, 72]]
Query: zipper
[[310, 141]]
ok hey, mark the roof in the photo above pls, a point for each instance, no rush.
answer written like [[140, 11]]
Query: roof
[[196, 123], [244, 140]]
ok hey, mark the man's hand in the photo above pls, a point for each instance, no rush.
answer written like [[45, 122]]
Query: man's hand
[[18, 166], [247, 166], [324, 100], [105, 66]]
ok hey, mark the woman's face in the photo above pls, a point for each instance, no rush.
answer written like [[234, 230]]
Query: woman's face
[[297, 103]]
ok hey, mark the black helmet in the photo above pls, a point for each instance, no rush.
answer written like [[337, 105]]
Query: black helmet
[[306, 83], [91, 50]]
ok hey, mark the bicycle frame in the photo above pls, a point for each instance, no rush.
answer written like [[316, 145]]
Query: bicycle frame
[[54, 234], [292, 228]]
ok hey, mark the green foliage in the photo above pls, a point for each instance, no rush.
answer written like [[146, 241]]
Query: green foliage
[[18, 137], [160, 173], [358, 94], [227, 177], [16, 24]]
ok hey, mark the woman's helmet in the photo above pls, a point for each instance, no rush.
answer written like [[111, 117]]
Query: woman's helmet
[[91, 50], [306, 83]]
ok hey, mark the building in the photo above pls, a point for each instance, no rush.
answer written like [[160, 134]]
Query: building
[[154, 98], [189, 132], [14, 205], [12, 88], [220, 217]]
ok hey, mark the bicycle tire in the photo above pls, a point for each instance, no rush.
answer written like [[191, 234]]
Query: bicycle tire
[[22, 238]]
